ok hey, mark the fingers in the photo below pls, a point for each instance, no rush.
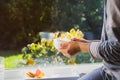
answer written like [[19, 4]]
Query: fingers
[[64, 45], [76, 39], [64, 48], [69, 48], [80, 40], [64, 52]]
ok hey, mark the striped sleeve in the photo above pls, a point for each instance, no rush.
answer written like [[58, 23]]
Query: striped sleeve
[[110, 51], [94, 50]]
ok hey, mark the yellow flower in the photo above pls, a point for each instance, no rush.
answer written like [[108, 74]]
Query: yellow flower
[[72, 31], [43, 40], [49, 43], [68, 35], [79, 34], [31, 62]]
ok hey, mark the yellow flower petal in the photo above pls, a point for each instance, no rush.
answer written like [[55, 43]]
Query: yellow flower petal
[[79, 34], [72, 31], [31, 62]]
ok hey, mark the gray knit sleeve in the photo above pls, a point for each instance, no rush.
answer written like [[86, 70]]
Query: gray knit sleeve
[[110, 51], [94, 50]]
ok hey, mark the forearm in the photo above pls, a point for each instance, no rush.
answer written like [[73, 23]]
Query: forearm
[[91, 47], [84, 47], [95, 40]]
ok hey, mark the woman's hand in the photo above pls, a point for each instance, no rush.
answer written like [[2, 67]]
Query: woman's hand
[[74, 46], [70, 48], [83, 43]]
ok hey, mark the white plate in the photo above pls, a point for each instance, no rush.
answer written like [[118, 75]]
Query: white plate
[[56, 73]]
